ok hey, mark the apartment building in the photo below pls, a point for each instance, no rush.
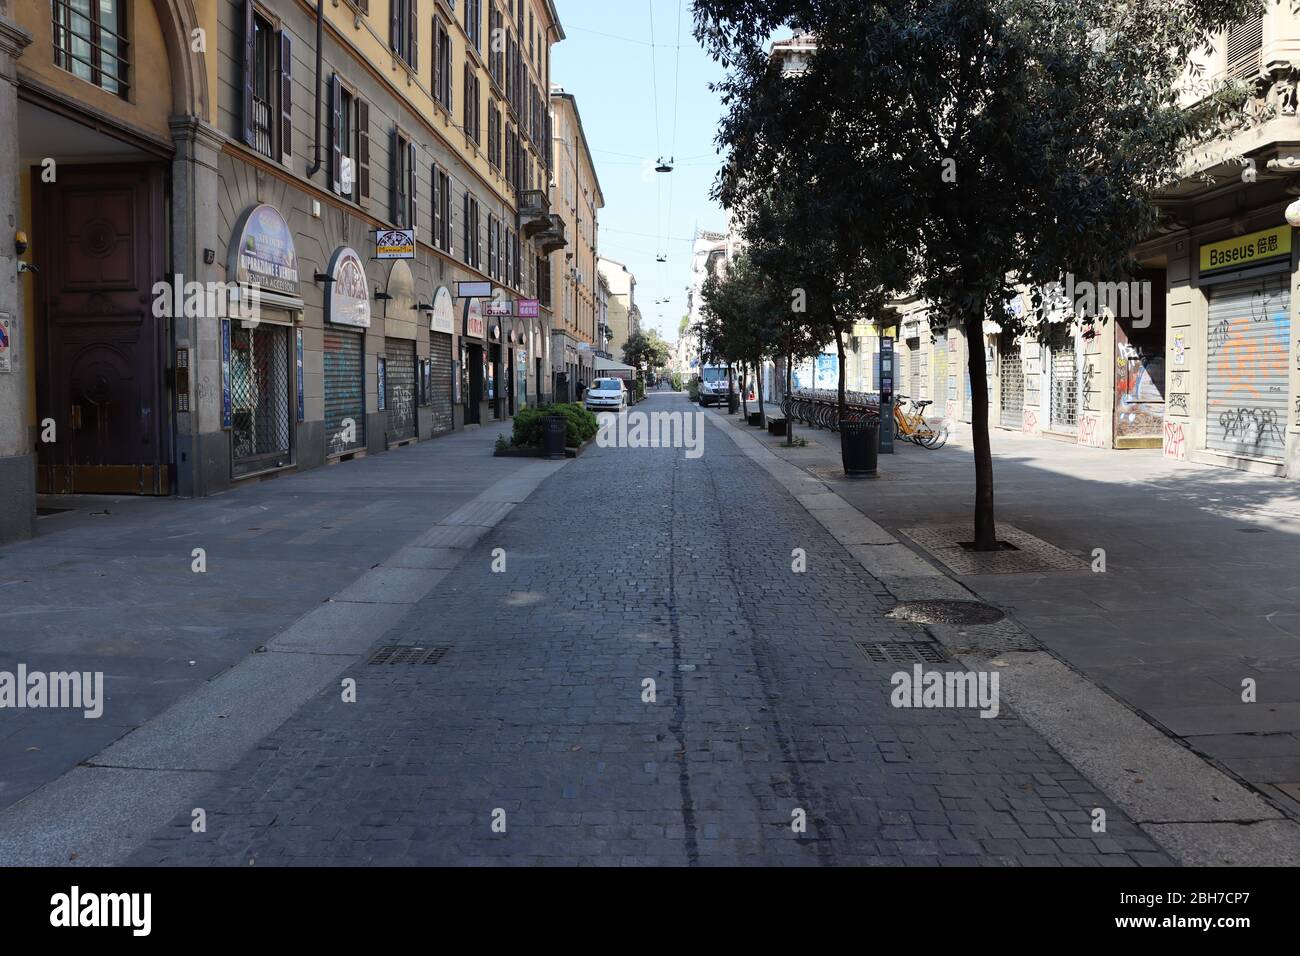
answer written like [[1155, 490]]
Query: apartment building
[[624, 316], [577, 199], [265, 243]]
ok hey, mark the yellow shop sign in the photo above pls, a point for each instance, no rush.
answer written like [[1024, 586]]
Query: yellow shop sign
[[1249, 250]]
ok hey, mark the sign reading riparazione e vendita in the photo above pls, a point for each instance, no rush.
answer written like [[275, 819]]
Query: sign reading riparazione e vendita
[[263, 253]]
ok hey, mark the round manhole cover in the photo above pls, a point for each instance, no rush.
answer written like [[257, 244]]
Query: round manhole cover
[[946, 612]]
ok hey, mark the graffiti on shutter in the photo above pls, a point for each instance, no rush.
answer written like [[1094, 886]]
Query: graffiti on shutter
[[400, 386], [1247, 345]]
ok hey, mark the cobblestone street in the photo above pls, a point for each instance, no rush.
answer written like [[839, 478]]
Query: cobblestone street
[[535, 718]]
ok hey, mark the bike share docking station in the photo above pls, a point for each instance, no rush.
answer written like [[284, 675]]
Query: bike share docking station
[[885, 376]]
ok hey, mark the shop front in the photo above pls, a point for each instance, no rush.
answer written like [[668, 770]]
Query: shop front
[[399, 358], [1248, 343], [259, 367], [347, 317], [472, 386], [442, 327], [500, 366]]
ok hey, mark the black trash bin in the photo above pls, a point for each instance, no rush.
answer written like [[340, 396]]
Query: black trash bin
[[859, 448], [554, 434], [756, 419]]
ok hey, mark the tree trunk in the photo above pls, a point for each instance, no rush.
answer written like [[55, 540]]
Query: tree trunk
[[986, 538], [843, 392], [762, 409], [744, 390]]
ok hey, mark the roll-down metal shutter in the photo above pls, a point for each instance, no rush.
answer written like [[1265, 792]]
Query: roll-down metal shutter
[[345, 392], [914, 368], [1065, 387], [1248, 342], [400, 390], [1012, 371], [440, 382]]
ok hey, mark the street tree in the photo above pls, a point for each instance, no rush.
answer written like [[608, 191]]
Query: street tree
[[645, 350], [742, 319], [987, 144]]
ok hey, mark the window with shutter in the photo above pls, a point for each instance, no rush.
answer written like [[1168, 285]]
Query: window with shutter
[[412, 187], [399, 180], [286, 99], [336, 134], [363, 152], [469, 256], [1244, 42], [250, 39]]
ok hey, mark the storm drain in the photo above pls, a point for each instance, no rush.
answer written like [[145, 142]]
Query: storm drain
[[399, 654], [903, 652], [945, 612]]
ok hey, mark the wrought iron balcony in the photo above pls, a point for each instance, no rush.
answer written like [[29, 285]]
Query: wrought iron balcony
[[534, 212], [553, 238]]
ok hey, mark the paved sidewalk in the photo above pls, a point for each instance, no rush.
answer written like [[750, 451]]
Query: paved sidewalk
[[110, 587], [1200, 590]]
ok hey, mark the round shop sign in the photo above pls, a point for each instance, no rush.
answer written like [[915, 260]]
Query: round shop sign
[[444, 312], [349, 296], [263, 254]]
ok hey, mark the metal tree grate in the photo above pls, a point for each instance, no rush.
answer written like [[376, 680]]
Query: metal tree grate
[[398, 654], [903, 652]]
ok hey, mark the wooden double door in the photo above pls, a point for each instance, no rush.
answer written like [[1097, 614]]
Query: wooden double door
[[99, 246]]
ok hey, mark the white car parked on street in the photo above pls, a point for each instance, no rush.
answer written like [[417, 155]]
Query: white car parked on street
[[606, 395]]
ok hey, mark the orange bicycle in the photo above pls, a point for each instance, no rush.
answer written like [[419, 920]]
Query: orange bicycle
[[912, 426]]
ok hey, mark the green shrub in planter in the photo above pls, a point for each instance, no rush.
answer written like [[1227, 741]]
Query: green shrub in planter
[[531, 422]]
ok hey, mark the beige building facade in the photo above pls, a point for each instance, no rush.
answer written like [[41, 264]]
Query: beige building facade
[[577, 199], [183, 166]]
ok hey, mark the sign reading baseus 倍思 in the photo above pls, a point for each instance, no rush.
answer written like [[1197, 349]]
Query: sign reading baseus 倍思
[[1252, 249]]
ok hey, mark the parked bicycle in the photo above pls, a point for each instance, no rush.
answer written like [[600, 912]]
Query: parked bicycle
[[912, 426]]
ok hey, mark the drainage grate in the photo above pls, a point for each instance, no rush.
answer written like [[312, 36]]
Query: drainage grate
[[903, 652], [398, 654]]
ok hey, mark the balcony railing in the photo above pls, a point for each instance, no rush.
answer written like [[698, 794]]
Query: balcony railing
[[534, 212], [554, 238]]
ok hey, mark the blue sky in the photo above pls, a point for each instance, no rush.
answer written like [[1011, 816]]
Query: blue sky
[[606, 62]]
